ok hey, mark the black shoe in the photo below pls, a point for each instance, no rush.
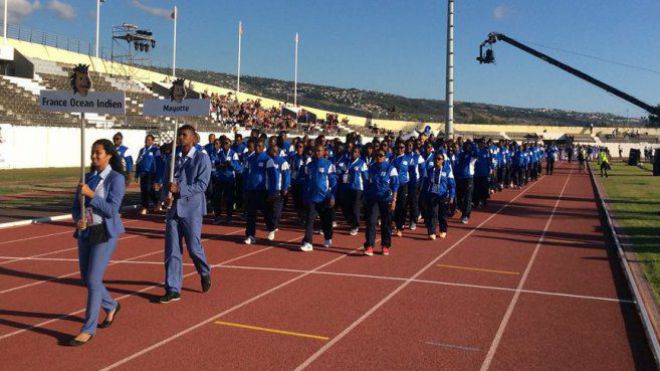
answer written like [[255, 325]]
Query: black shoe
[[206, 283], [169, 297], [75, 343], [107, 323]]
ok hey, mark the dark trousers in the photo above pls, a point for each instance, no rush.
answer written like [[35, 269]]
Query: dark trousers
[[437, 214], [507, 174], [550, 165], [254, 201], [534, 171], [147, 192], [500, 176], [413, 201], [223, 194], [518, 176], [274, 206], [464, 191], [376, 208], [481, 190], [352, 203], [400, 209], [325, 213], [298, 203], [239, 193]]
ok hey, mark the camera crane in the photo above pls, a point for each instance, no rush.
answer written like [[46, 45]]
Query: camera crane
[[487, 56]]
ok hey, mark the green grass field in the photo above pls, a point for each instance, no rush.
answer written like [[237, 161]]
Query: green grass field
[[46, 189], [634, 196]]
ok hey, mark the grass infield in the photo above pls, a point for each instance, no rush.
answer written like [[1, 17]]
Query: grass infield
[[633, 194]]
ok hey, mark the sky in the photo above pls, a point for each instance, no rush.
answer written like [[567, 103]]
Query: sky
[[396, 46]]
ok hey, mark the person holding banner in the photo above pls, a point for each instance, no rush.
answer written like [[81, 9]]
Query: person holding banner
[[146, 171], [97, 232], [192, 173]]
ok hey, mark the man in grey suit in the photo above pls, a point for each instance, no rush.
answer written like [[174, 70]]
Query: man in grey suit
[[192, 172]]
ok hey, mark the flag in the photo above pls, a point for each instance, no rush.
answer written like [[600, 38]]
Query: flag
[[240, 28], [174, 13]]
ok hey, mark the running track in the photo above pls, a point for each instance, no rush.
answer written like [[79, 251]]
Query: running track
[[528, 284]]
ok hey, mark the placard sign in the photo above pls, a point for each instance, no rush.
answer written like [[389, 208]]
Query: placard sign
[[111, 103], [80, 98], [167, 107], [177, 105]]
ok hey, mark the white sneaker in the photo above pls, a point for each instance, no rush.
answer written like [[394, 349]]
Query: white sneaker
[[328, 243], [443, 235], [353, 232], [271, 235], [334, 224], [432, 237], [464, 220], [307, 247], [413, 226], [250, 240]]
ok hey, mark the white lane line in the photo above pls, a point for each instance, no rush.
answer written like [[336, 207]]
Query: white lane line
[[34, 257], [509, 311], [236, 307], [358, 275], [371, 311], [36, 283], [148, 288], [452, 346], [70, 231]]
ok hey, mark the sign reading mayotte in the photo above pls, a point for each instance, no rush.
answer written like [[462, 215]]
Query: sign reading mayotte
[[81, 98], [177, 105]]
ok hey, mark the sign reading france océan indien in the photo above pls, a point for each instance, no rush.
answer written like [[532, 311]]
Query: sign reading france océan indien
[[81, 98], [112, 103]]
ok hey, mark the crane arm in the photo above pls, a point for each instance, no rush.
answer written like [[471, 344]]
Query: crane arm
[[488, 57]]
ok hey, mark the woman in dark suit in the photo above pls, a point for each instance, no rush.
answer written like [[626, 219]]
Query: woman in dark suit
[[97, 233]]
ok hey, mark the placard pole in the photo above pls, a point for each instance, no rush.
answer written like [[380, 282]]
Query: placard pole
[[82, 163], [172, 160]]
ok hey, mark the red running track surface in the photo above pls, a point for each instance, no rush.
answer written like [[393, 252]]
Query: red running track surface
[[529, 284]]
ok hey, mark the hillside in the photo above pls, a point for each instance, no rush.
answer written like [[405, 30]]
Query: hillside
[[395, 107]]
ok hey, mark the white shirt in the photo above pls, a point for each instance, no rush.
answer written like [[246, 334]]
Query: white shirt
[[100, 192]]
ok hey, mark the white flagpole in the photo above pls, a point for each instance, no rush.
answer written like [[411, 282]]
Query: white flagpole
[[5, 22], [295, 74], [238, 74], [98, 25], [176, 17], [449, 95]]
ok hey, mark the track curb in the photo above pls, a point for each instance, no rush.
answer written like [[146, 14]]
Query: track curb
[[54, 218]]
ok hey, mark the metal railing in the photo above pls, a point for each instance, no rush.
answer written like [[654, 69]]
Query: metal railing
[[29, 34]]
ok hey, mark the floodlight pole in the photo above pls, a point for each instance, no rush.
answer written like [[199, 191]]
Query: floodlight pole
[[238, 73], [98, 25], [449, 94], [4, 27], [295, 74]]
